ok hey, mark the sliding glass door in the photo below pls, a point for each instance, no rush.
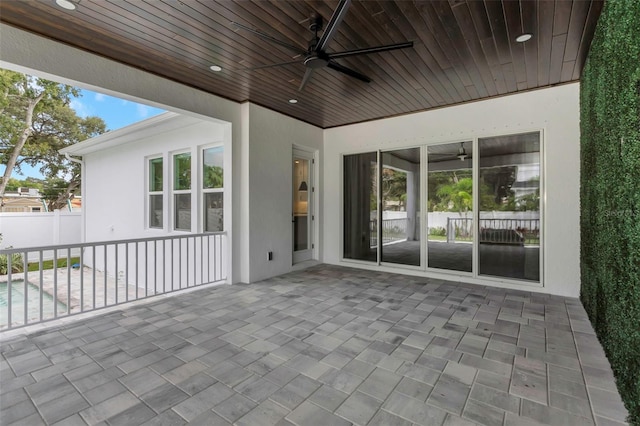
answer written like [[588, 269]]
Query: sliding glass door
[[400, 193], [360, 206], [509, 225], [450, 206], [481, 218]]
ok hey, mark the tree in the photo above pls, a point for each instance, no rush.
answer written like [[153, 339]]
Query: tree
[[36, 121]]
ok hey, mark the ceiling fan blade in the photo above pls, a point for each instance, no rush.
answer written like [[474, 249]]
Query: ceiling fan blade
[[306, 78], [279, 64], [348, 71], [267, 37], [367, 50], [333, 24]]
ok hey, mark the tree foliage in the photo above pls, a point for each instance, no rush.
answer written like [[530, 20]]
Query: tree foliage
[[36, 121]]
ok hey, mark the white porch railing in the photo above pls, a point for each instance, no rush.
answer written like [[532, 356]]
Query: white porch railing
[[90, 276]]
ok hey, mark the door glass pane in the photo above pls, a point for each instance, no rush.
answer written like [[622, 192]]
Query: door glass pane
[[360, 206], [400, 186], [300, 204], [450, 206], [212, 168], [509, 226], [213, 211], [182, 212]]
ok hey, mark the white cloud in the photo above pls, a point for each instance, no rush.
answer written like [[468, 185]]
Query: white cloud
[[81, 109], [100, 97], [143, 110]]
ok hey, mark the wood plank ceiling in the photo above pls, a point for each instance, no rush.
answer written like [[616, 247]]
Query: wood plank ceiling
[[463, 50]]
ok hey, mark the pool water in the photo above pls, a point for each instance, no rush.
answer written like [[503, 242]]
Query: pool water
[[33, 304]]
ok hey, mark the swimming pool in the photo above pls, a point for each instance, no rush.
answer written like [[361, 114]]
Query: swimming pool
[[33, 303]]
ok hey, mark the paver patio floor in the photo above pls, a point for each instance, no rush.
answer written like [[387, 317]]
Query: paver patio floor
[[324, 346]]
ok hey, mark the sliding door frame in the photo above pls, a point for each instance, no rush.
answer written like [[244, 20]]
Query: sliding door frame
[[474, 276]]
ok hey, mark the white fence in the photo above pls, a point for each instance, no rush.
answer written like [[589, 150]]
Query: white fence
[[40, 229]]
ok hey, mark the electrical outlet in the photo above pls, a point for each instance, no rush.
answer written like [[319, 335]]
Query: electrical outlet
[[270, 255]]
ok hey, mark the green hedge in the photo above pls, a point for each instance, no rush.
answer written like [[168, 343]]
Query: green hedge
[[610, 192]]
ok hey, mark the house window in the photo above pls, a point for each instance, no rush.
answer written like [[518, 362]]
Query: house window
[[212, 189], [155, 195], [182, 191]]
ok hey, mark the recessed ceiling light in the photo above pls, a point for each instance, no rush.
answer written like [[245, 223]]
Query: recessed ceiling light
[[523, 37], [215, 68], [66, 4], [293, 101]]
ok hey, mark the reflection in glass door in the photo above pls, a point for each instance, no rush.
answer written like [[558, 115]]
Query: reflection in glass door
[[509, 225], [301, 209], [450, 206], [400, 193]]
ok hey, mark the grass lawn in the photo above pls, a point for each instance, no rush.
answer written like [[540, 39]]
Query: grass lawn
[[48, 264]]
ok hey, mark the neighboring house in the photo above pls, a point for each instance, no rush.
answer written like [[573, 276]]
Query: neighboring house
[[24, 200]]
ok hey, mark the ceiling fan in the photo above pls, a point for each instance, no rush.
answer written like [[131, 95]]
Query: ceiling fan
[[316, 56]]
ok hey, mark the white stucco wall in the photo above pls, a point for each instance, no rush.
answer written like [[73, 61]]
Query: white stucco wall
[[555, 111], [271, 140], [115, 179]]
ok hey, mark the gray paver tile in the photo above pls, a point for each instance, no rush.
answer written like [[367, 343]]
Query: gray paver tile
[[461, 373], [414, 389], [607, 404], [267, 413], [385, 418], [109, 408], [358, 408], [102, 392], [142, 381], [63, 407], [449, 395], [551, 415], [573, 405], [32, 420], [17, 412], [134, 415], [209, 418], [413, 410], [380, 383], [163, 397], [495, 398], [234, 407], [483, 414], [202, 401], [74, 420], [328, 397], [341, 380], [308, 414], [416, 372], [168, 418]]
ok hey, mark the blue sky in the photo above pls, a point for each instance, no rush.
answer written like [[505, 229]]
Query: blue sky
[[116, 112]]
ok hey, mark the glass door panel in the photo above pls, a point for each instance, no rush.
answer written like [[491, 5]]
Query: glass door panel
[[450, 206], [302, 225], [509, 223], [360, 231], [400, 190]]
